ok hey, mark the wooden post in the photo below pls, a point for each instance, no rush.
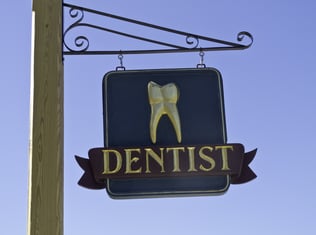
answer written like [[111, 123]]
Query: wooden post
[[45, 202]]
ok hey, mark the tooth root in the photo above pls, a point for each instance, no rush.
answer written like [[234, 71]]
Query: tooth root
[[163, 101], [173, 114], [157, 111]]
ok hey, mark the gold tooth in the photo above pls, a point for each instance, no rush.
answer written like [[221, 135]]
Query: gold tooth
[[163, 101]]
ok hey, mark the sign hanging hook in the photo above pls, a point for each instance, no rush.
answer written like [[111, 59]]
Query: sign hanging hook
[[201, 64], [120, 57]]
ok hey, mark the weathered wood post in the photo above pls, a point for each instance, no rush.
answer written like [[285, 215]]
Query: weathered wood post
[[45, 203]]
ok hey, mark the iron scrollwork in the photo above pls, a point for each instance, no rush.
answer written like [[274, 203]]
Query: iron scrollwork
[[81, 43]]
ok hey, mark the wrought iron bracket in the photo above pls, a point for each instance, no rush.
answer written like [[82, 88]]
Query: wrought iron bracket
[[81, 44]]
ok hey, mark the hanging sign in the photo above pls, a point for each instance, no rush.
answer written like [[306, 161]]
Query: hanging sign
[[165, 135]]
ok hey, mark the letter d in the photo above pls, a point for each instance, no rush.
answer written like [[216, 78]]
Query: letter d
[[106, 161]]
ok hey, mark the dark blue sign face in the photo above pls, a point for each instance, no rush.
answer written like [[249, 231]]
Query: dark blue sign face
[[167, 108]]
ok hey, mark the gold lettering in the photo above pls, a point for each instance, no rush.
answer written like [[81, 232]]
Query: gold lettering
[[225, 166], [106, 161], [191, 159], [176, 165], [130, 160], [156, 157], [206, 158]]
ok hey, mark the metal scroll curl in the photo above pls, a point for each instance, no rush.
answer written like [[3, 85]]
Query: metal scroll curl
[[242, 35], [81, 45], [192, 40]]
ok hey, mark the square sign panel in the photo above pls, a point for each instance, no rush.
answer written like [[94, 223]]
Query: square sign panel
[[171, 107]]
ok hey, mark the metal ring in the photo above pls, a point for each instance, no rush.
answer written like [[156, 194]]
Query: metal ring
[[201, 64], [121, 67]]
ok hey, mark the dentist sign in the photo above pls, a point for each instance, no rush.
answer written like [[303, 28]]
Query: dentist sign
[[165, 135]]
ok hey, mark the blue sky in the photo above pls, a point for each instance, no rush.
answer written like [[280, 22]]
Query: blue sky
[[269, 102]]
